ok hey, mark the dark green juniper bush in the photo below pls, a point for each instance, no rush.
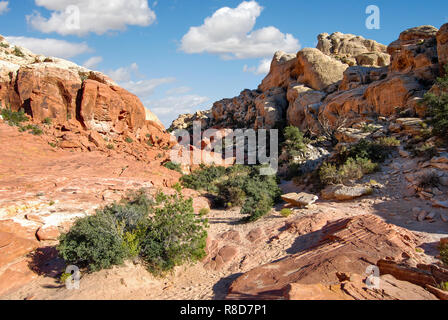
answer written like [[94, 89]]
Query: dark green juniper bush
[[163, 232], [237, 186]]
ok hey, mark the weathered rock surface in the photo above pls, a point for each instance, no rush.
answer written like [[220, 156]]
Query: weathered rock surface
[[353, 49], [346, 246], [317, 70], [343, 193], [300, 199]]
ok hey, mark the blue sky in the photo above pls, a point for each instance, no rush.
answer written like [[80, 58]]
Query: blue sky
[[149, 47]]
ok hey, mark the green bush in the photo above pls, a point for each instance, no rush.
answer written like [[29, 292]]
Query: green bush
[[286, 212], [173, 166], [444, 253], [18, 52], [163, 232], [438, 107], [204, 178], [14, 119], [93, 242], [129, 140], [174, 235], [294, 141], [47, 121], [237, 186], [352, 169]]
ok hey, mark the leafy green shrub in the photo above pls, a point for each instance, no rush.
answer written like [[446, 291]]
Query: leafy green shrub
[[174, 235], [47, 121], [286, 212], [93, 242], [237, 186], [444, 286], [438, 106], [163, 232], [372, 150], [204, 178], [389, 142], [18, 52], [110, 146], [173, 166], [294, 141], [444, 253], [129, 140], [352, 169], [14, 119]]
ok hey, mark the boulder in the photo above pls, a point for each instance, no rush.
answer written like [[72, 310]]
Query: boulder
[[317, 70], [343, 193], [300, 199], [281, 72], [415, 51], [48, 233], [353, 50]]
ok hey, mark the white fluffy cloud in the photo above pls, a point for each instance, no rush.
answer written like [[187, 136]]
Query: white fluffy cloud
[[51, 47], [230, 33], [176, 105], [145, 88], [80, 17], [4, 7], [93, 62], [263, 68], [142, 88]]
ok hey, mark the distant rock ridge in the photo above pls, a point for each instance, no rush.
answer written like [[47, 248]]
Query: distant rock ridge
[[346, 77], [75, 99]]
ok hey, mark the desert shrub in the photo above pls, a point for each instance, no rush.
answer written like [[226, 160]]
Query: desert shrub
[[294, 141], [47, 121], [173, 166], [174, 235], [444, 286], [129, 140], [163, 232], [13, 118], [203, 178], [352, 169], [375, 151], [286, 212], [17, 52], [425, 150], [93, 242], [429, 180], [444, 253], [31, 128], [204, 211], [389, 142], [237, 186], [438, 107], [110, 146]]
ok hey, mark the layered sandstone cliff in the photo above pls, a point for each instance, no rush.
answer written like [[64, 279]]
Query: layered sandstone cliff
[[345, 78], [76, 100]]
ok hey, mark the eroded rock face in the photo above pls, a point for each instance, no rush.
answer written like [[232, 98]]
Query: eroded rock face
[[415, 51], [442, 44], [354, 50], [74, 98], [281, 72], [317, 70], [346, 246]]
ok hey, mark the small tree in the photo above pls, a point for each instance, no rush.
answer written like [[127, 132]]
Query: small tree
[[438, 106]]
